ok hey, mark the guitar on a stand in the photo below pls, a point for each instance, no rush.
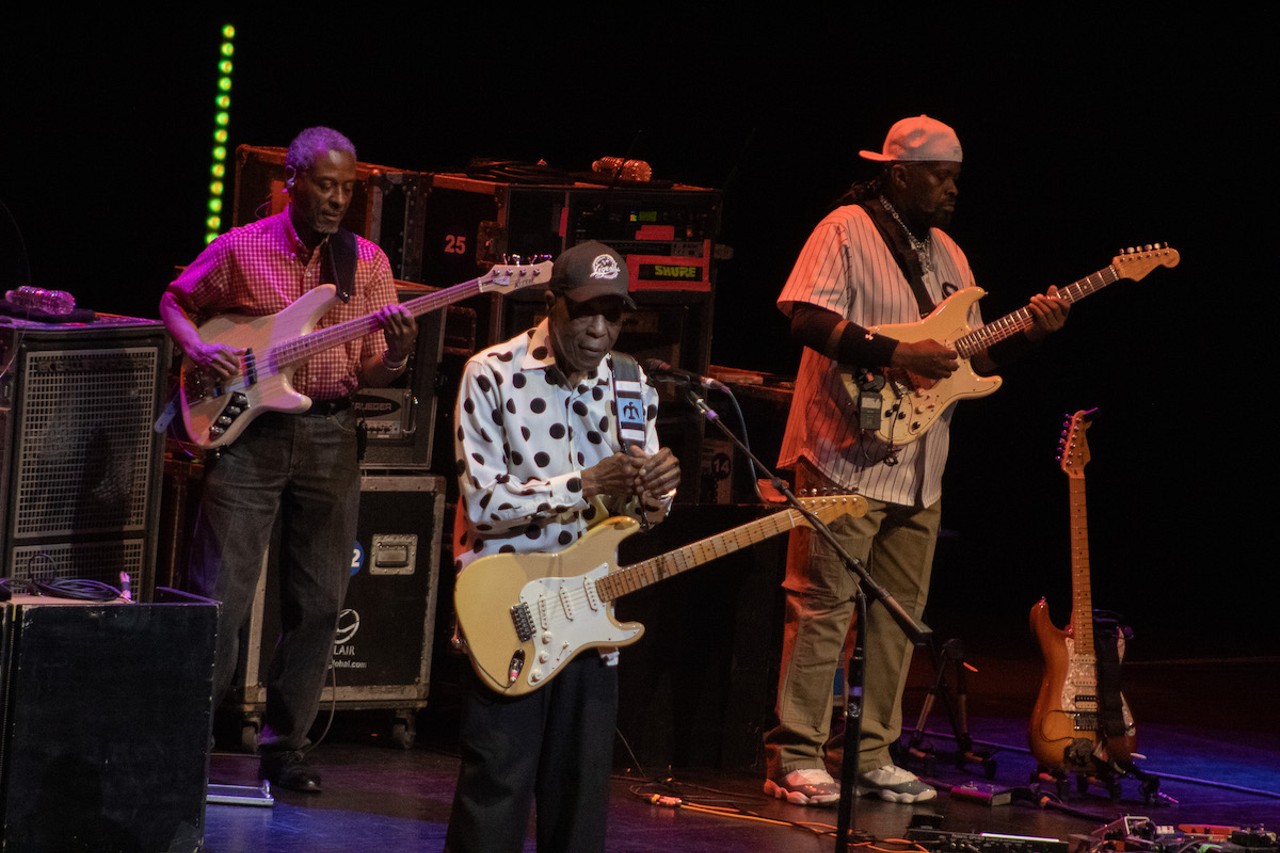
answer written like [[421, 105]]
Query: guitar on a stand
[[1081, 722]]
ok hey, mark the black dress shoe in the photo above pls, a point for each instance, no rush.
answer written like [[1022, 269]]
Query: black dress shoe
[[288, 769]]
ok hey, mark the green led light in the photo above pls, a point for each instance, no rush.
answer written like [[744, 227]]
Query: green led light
[[221, 119]]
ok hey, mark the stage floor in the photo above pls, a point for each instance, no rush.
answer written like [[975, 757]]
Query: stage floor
[[1207, 729]]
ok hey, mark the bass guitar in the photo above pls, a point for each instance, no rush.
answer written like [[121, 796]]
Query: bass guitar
[[909, 404], [522, 617], [214, 412], [1079, 723]]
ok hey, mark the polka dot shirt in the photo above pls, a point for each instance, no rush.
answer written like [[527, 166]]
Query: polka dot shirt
[[523, 438]]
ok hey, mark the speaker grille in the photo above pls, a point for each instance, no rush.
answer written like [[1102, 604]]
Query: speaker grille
[[85, 443], [80, 459], [100, 561]]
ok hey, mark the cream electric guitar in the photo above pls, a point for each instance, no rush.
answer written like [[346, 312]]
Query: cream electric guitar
[[215, 412], [1066, 730], [909, 404], [522, 617]]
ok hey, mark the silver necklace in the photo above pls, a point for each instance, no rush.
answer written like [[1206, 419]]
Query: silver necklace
[[923, 248]]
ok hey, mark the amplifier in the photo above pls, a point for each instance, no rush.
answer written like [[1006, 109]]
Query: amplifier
[[386, 207], [667, 234], [471, 223], [106, 709], [80, 462]]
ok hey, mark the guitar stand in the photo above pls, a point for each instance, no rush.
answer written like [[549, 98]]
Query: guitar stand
[[953, 655], [1107, 777]]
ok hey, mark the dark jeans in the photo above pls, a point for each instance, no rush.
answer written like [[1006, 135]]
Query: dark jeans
[[305, 467]]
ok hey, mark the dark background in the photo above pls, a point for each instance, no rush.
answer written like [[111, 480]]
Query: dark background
[[1083, 135]]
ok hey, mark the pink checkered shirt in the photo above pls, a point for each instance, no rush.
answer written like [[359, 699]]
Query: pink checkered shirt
[[261, 268]]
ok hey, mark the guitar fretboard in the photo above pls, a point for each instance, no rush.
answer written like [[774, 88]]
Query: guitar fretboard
[[300, 349], [640, 575], [1081, 588], [980, 340]]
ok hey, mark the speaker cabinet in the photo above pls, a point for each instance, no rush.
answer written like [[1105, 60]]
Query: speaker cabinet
[[105, 715], [80, 461]]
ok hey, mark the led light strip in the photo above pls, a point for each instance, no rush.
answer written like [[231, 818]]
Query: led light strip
[[221, 118]]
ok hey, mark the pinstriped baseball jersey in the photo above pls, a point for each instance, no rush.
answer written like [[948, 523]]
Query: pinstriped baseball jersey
[[846, 267]]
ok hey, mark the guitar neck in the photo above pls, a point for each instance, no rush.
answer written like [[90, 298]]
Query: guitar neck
[[300, 349], [979, 340], [1081, 589], [640, 575]]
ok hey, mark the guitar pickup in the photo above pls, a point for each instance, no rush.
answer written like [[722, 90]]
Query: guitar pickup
[[250, 366]]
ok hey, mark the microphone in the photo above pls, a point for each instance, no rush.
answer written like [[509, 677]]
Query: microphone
[[659, 369]]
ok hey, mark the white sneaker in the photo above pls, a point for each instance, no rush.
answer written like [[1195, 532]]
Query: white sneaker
[[809, 787], [894, 784]]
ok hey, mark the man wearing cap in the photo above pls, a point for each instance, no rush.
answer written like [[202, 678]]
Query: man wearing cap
[[542, 455], [880, 258]]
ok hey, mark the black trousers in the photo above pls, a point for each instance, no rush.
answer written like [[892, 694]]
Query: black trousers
[[553, 747]]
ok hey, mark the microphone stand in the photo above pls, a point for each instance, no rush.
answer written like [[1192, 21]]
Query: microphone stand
[[919, 633]]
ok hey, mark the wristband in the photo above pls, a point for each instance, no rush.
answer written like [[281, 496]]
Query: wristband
[[393, 366]]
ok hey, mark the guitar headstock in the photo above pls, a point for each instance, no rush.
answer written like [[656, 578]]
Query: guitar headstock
[[505, 278], [1134, 263], [1073, 447], [829, 507]]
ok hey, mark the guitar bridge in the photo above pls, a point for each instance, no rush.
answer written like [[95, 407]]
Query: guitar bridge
[[523, 621]]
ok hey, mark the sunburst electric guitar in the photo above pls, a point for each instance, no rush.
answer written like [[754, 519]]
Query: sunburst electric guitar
[[215, 412], [1068, 728], [522, 617], [910, 404]]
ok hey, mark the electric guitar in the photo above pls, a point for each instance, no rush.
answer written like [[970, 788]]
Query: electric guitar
[[910, 404], [522, 617], [1067, 728], [215, 412]]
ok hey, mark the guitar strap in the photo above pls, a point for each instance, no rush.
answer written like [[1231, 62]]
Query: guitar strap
[[1108, 637], [628, 393], [901, 250], [338, 264]]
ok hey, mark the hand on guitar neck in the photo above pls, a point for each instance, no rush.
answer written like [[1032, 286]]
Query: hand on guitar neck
[[930, 359]]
